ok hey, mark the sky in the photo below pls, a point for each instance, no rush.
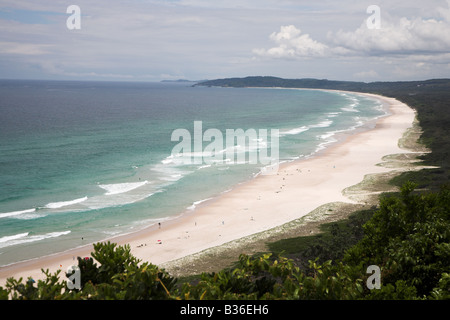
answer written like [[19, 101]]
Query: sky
[[154, 40]]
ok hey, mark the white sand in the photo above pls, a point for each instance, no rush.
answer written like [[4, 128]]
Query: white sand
[[260, 204]]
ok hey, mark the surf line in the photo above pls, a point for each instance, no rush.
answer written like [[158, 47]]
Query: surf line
[[251, 140]]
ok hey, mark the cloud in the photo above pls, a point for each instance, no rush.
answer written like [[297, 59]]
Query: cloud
[[396, 36], [199, 39], [291, 43], [16, 48], [404, 36]]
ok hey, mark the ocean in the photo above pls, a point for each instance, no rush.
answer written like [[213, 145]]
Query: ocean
[[81, 162]]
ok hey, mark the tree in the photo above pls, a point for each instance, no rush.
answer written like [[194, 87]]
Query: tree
[[409, 239]]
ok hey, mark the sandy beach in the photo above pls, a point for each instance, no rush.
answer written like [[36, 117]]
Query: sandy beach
[[263, 203]]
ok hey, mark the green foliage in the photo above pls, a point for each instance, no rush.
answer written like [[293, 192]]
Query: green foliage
[[119, 276], [265, 278], [330, 244], [442, 291], [144, 282], [89, 271], [408, 237], [51, 288], [113, 260], [400, 290]]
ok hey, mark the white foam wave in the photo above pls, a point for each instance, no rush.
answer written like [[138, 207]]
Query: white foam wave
[[30, 216], [168, 160], [269, 169], [196, 203], [328, 135], [118, 188], [353, 105], [260, 143], [349, 109], [173, 177], [14, 237], [171, 173], [185, 158], [16, 213], [22, 238], [323, 124], [295, 131], [188, 158], [333, 114], [105, 201], [57, 205]]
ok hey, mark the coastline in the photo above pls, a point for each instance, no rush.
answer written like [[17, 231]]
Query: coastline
[[259, 205]]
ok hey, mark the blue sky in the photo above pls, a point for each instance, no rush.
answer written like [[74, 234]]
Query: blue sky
[[29, 16], [153, 40]]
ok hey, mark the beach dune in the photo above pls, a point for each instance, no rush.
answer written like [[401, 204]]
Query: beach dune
[[263, 203]]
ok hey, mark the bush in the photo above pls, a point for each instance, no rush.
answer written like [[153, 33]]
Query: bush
[[408, 238]]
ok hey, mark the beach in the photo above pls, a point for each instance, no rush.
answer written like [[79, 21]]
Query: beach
[[260, 204]]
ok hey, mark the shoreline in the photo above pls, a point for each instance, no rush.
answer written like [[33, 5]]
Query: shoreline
[[261, 204]]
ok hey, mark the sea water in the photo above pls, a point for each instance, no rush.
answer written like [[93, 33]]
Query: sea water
[[81, 162]]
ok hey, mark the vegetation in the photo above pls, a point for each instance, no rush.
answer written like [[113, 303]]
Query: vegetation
[[335, 238], [407, 236]]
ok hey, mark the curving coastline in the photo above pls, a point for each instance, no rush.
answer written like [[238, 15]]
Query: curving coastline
[[261, 204]]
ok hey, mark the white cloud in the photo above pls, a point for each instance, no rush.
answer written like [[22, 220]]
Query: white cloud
[[291, 43], [16, 48], [201, 39], [403, 36], [397, 36]]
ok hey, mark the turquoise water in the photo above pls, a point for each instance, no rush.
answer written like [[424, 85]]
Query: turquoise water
[[84, 161]]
